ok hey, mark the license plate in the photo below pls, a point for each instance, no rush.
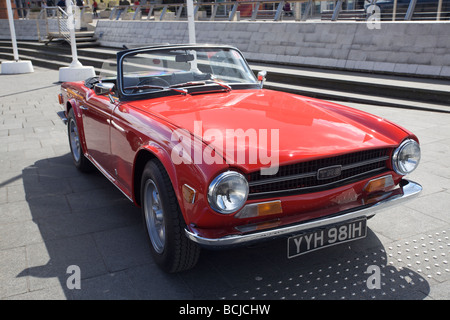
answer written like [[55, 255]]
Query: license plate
[[325, 237]]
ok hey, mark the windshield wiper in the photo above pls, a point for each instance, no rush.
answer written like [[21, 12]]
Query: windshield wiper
[[223, 85], [147, 86], [201, 83], [188, 84], [179, 86], [179, 90]]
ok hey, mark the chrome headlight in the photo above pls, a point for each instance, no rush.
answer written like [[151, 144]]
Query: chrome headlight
[[406, 157], [228, 192]]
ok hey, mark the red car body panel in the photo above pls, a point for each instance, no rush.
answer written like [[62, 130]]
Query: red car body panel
[[114, 136], [306, 129]]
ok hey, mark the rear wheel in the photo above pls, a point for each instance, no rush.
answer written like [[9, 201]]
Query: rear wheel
[[164, 223], [80, 161]]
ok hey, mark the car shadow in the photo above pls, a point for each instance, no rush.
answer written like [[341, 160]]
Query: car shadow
[[86, 222]]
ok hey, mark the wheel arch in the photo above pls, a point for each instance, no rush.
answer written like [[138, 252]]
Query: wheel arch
[[72, 104], [148, 153]]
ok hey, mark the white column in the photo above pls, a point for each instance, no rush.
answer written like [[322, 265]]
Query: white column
[[12, 30], [191, 22], [191, 31], [71, 25], [75, 71]]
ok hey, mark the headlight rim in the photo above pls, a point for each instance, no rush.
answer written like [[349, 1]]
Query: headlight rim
[[215, 182], [397, 152]]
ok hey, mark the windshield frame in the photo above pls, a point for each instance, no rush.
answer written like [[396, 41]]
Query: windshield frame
[[126, 96]]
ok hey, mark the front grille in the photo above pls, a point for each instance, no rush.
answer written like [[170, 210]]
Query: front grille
[[302, 177]]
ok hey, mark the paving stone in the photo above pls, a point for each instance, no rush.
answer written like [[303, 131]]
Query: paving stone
[[123, 248], [18, 234], [12, 263], [48, 261]]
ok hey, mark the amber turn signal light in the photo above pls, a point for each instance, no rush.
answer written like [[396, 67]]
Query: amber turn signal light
[[267, 208], [260, 209], [189, 193], [379, 184]]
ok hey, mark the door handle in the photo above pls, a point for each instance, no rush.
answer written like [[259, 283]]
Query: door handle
[[83, 107]]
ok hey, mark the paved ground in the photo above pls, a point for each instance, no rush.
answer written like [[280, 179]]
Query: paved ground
[[52, 217]]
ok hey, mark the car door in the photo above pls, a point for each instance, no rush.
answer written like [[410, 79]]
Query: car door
[[125, 142], [97, 112]]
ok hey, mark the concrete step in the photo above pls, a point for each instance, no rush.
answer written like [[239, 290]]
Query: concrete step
[[54, 59], [83, 38], [397, 87], [61, 46], [35, 60], [375, 89], [338, 95]]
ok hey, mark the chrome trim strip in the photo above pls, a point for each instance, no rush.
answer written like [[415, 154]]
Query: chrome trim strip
[[363, 163], [282, 179], [314, 173], [408, 190], [324, 185]]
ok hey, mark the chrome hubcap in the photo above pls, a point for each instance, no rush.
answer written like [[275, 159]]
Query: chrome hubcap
[[154, 216], [74, 140]]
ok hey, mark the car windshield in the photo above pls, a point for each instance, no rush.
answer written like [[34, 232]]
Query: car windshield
[[178, 69]]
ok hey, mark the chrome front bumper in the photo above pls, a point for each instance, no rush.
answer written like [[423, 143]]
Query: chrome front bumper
[[406, 191]]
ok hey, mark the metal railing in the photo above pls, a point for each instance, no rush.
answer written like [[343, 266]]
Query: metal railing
[[213, 10], [59, 15], [34, 13], [252, 10], [300, 10], [54, 13]]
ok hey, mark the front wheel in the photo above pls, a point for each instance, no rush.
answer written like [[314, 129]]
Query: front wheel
[[164, 223]]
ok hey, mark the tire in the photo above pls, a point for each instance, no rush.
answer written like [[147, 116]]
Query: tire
[[164, 223], [80, 161]]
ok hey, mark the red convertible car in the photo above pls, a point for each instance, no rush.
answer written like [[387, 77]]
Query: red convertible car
[[188, 134]]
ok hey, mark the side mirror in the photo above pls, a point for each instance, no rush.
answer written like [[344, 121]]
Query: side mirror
[[262, 77], [103, 88]]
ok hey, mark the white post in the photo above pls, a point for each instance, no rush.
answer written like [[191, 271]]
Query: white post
[[191, 22], [16, 66], [439, 9], [12, 29], [75, 71], [298, 11], [73, 44], [191, 30]]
